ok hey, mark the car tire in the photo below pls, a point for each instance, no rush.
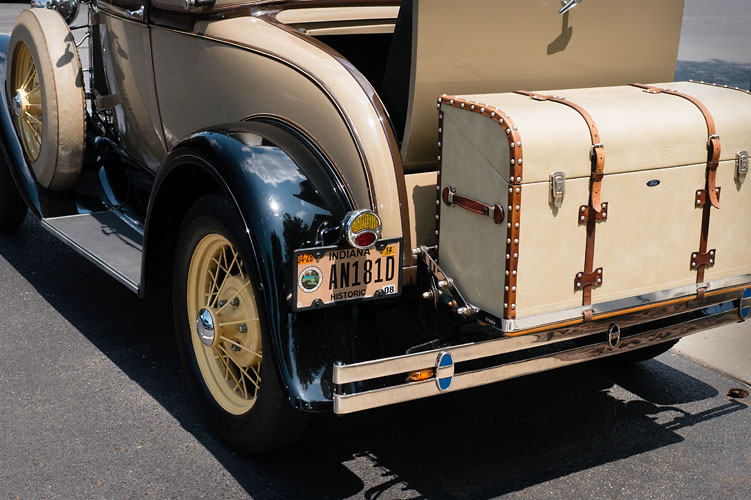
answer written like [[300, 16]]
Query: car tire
[[233, 376], [45, 88], [12, 207]]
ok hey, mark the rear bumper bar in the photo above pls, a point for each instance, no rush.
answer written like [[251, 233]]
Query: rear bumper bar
[[662, 323]]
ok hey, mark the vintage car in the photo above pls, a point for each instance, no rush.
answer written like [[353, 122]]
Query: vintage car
[[328, 193]]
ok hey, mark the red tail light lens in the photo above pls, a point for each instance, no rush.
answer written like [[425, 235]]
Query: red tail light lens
[[365, 239]]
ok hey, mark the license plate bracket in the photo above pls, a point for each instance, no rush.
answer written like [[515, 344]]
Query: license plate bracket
[[325, 276]]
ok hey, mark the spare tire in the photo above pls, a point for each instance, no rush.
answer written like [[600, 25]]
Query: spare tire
[[44, 84]]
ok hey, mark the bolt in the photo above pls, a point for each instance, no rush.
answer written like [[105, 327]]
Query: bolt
[[222, 303], [452, 303], [242, 328], [235, 348], [234, 302]]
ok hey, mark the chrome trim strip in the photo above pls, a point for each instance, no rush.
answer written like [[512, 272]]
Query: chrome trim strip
[[626, 303], [133, 286], [348, 403]]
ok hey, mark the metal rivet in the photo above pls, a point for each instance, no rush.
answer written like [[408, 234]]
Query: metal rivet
[[518, 179], [509, 225], [508, 256], [599, 271], [439, 157], [582, 218], [513, 272], [438, 188], [517, 208], [506, 273], [698, 202], [516, 225], [462, 105], [516, 241], [711, 252], [512, 161], [506, 115], [513, 306], [472, 108], [451, 101], [436, 217], [511, 144], [438, 106], [436, 201], [516, 255], [579, 275], [510, 190], [509, 207], [440, 130], [482, 110], [711, 261], [508, 240], [492, 115], [507, 288], [518, 190], [513, 288], [508, 131], [520, 161], [436, 233], [604, 214], [578, 285], [439, 144], [599, 280], [583, 209], [505, 305], [440, 100]]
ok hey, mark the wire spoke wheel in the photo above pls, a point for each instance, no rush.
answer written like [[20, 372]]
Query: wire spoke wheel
[[27, 101], [220, 289]]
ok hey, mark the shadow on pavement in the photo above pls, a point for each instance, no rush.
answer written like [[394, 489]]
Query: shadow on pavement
[[474, 444]]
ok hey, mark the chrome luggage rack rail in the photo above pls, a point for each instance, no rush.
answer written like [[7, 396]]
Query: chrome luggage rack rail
[[668, 320]]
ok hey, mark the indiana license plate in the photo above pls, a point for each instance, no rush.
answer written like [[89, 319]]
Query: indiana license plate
[[329, 275]]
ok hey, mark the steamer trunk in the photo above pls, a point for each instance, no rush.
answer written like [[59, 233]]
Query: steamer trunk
[[646, 241]]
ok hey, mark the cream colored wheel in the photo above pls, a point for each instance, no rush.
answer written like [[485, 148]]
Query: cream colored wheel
[[226, 331], [44, 85], [26, 103]]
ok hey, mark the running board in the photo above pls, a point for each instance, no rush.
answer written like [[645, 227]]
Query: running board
[[105, 239]]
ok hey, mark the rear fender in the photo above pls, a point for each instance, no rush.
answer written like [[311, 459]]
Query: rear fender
[[283, 189]]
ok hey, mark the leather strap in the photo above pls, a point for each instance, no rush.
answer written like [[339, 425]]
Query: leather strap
[[713, 141], [588, 214], [711, 191], [451, 199], [597, 155]]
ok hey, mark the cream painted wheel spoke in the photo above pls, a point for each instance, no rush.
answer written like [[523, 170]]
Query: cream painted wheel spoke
[[230, 363], [25, 81], [240, 346], [233, 297]]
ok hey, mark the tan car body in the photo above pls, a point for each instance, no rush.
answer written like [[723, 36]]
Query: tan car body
[[268, 66]]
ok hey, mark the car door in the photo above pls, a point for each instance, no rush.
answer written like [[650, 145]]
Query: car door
[[125, 48]]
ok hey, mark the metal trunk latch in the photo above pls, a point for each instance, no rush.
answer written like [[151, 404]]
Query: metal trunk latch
[[557, 188], [741, 165]]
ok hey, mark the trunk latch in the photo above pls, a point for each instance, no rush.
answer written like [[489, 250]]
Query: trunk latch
[[557, 188], [741, 165]]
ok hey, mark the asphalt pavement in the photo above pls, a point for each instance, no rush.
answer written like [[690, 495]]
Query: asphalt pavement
[[93, 405]]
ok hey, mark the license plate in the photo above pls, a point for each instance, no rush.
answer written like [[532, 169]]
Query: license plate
[[328, 275]]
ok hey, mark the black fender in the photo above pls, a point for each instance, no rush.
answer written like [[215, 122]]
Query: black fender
[[284, 189]]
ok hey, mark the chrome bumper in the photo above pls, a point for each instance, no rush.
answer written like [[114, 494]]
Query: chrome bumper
[[676, 320]]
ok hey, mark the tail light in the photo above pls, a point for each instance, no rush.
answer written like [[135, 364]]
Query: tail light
[[362, 228]]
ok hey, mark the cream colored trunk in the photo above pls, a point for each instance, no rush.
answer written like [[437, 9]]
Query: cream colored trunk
[[655, 161]]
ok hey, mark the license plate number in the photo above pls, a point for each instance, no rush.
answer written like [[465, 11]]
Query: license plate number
[[328, 275]]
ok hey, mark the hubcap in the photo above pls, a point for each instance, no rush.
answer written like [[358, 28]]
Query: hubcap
[[18, 104], [226, 330], [205, 327]]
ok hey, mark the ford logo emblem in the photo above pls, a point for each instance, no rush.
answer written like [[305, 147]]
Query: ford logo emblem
[[653, 183]]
